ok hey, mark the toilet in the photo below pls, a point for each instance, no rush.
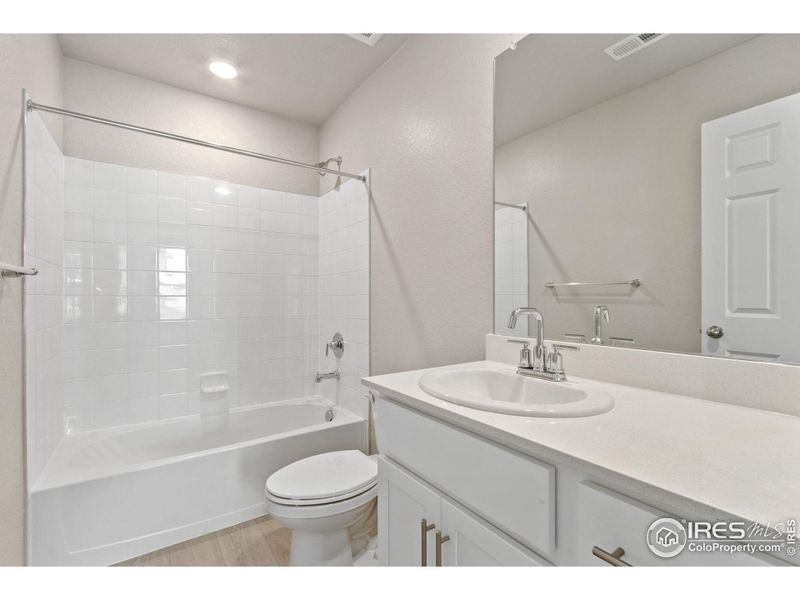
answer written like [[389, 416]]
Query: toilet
[[320, 498]]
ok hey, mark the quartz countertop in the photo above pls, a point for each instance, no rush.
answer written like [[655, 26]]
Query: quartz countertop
[[737, 461]]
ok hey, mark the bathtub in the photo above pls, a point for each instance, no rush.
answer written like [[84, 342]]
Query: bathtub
[[110, 495]]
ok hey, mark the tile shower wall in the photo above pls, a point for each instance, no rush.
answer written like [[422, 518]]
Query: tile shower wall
[[510, 268], [168, 277], [344, 291], [44, 218]]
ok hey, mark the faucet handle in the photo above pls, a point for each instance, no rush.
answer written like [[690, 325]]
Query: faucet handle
[[622, 340], [524, 353], [557, 360]]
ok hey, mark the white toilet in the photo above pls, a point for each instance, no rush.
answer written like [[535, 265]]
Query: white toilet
[[319, 498]]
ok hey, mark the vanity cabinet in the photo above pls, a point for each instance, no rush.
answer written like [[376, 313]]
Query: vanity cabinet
[[448, 497], [420, 527]]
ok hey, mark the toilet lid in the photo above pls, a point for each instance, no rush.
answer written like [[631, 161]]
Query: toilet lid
[[324, 476]]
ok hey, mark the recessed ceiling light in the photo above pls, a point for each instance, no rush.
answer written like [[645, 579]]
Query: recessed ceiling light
[[223, 69]]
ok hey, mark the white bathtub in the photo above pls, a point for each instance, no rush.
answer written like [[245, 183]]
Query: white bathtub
[[110, 495]]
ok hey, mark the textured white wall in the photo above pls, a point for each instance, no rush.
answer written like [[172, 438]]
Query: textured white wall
[[122, 97], [32, 62], [422, 124]]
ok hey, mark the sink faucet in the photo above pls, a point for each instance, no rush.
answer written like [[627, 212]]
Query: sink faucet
[[601, 313], [545, 364], [539, 349]]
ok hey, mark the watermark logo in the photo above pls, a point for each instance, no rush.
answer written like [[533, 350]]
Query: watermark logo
[[666, 537]]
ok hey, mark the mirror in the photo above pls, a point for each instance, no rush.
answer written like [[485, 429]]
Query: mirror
[[647, 191]]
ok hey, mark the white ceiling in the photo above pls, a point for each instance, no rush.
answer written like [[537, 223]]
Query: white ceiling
[[549, 77], [302, 76]]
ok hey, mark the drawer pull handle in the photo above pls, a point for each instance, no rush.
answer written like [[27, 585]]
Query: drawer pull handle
[[440, 539], [613, 558], [424, 528]]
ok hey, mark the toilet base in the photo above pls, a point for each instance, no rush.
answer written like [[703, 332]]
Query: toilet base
[[321, 548]]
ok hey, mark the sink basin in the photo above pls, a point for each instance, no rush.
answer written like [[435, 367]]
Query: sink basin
[[506, 392]]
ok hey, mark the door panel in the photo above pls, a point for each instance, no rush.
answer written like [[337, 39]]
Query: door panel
[[403, 502], [475, 543], [750, 220]]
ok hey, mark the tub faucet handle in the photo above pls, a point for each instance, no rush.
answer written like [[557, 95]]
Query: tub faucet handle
[[336, 344]]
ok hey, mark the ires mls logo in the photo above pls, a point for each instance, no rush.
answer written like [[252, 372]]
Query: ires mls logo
[[667, 537]]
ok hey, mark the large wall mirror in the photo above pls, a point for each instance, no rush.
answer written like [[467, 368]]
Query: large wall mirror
[[647, 191]]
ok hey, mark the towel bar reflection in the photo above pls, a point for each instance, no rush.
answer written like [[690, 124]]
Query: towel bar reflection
[[7, 270], [632, 282]]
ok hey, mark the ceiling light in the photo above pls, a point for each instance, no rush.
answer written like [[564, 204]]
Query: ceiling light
[[223, 69]]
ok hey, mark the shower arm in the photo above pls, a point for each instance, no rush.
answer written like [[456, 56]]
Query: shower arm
[[324, 164]]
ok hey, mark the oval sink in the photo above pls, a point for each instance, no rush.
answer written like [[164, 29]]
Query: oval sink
[[512, 394]]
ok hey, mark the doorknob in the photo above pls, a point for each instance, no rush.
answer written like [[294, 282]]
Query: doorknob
[[715, 331]]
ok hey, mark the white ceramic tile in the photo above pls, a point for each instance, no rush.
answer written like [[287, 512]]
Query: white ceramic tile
[[142, 233], [199, 213], [110, 230], [225, 215], [186, 278], [78, 199], [109, 177], [109, 203], [78, 172], [142, 258], [141, 181], [248, 196], [169, 184], [142, 207]]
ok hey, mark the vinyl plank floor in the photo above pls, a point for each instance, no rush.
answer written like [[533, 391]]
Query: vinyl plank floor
[[260, 542]]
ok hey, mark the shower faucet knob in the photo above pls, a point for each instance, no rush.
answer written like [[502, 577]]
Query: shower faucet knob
[[336, 344]]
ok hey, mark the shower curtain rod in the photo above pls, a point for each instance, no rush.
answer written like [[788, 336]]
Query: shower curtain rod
[[31, 105]]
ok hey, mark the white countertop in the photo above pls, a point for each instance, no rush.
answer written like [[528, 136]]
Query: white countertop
[[736, 461]]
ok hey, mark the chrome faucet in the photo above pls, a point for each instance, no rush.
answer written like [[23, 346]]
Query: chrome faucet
[[543, 364], [601, 313], [539, 349]]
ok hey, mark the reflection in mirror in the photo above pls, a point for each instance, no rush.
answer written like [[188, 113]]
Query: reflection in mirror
[[662, 179], [510, 264]]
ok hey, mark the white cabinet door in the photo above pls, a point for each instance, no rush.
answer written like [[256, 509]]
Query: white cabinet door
[[471, 542], [409, 512], [750, 223]]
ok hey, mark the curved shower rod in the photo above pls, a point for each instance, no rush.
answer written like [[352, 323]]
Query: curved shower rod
[[31, 105]]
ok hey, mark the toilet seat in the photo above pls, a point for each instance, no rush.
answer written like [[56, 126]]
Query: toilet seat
[[323, 479]]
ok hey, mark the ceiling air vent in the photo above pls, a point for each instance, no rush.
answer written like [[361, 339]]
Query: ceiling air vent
[[634, 43], [370, 39]]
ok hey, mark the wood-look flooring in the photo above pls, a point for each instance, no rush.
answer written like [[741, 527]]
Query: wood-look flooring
[[260, 542]]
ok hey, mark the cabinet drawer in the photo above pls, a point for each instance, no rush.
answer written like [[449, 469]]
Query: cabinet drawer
[[514, 492], [610, 521]]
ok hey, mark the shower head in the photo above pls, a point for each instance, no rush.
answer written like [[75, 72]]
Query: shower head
[[324, 164]]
